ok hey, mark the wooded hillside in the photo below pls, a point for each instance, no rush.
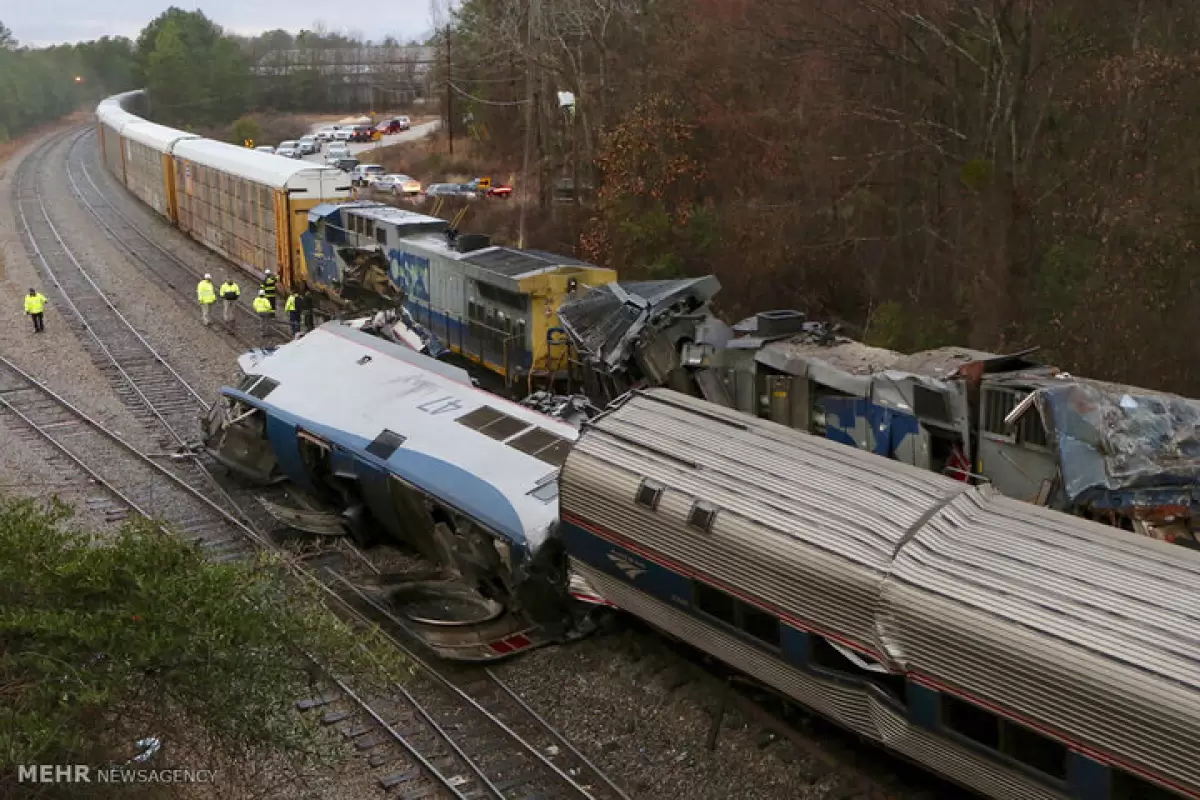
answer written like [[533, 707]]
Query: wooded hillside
[[988, 172]]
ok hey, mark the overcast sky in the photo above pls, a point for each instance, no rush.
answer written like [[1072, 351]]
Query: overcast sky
[[43, 22]]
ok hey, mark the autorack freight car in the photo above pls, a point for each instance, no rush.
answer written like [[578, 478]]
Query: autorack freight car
[[1021, 652], [250, 207]]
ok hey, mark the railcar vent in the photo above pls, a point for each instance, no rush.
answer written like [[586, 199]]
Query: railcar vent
[[702, 515], [649, 493], [386, 443], [263, 388]]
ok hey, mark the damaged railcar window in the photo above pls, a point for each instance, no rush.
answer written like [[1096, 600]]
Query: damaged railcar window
[[257, 386], [542, 445], [386, 443]]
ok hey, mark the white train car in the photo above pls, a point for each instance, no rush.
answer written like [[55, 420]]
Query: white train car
[[407, 445], [251, 207]]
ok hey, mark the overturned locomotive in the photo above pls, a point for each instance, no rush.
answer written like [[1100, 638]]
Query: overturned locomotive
[[404, 447]]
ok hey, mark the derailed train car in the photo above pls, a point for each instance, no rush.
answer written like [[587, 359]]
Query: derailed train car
[[1018, 651], [404, 447]]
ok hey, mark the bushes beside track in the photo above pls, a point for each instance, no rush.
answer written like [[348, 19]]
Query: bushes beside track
[[108, 639]]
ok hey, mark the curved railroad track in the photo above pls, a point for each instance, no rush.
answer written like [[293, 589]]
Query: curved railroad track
[[425, 748]]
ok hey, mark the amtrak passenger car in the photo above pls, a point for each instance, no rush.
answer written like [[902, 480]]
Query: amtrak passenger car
[[406, 448], [1019, 651], [496, 306]]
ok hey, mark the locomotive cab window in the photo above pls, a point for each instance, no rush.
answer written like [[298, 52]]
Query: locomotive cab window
[[648, 494], [386, 443]]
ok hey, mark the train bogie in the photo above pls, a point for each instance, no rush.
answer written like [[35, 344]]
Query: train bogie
[[1018, 651]]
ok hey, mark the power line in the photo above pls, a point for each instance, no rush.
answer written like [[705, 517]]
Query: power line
[[487, 102]]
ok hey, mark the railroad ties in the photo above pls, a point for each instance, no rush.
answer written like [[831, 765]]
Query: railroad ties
[[456, 745], [467, 723]]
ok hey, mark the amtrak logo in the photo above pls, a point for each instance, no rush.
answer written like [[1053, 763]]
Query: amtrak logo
[[631, 568]]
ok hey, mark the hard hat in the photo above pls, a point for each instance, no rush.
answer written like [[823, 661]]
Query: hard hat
[[262, 292], [207, 277], [267, 272]]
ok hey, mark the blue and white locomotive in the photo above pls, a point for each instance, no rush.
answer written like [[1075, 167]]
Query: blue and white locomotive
[[404, 446]]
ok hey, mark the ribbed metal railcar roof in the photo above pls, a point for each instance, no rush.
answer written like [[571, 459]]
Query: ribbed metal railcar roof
[[735, 458], [155, 136], [1091, 631], [266, 168]]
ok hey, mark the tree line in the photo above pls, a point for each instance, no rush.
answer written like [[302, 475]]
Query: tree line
[[196, 75], [990, 173]]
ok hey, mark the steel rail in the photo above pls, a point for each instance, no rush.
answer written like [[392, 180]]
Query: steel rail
[[124, 445], [432, 672], [129, 380], [255, 537]]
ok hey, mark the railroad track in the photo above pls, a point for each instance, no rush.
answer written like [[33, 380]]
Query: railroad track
[[473, 723], [174, 274], [154, 391], [438, 750]]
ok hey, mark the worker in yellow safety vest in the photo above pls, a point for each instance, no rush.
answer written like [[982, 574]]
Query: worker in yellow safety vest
[[230, 292], [262, 307], [268, 287], [35, 307], [207, 295], [293, 314]]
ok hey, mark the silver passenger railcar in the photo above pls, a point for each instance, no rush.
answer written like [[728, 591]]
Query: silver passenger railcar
[[1018, 651]]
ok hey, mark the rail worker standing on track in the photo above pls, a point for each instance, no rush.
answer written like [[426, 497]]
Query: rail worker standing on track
[[35, 307], [230, 292], [207, 295], [268, 288], [266, 314], [304, 305], [293, 314]]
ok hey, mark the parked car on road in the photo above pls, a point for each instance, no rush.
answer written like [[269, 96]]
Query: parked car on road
[[451, 190], [342, 134], [337, 150], [264, 148], [288, 149], [325, 134], [345, 164], [485, 188], [362, 133], [396, 184], [308, 145], [394, 125], [364, 172]]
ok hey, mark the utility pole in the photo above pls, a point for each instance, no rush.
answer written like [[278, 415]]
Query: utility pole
[[449, 96], [526, 195]]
